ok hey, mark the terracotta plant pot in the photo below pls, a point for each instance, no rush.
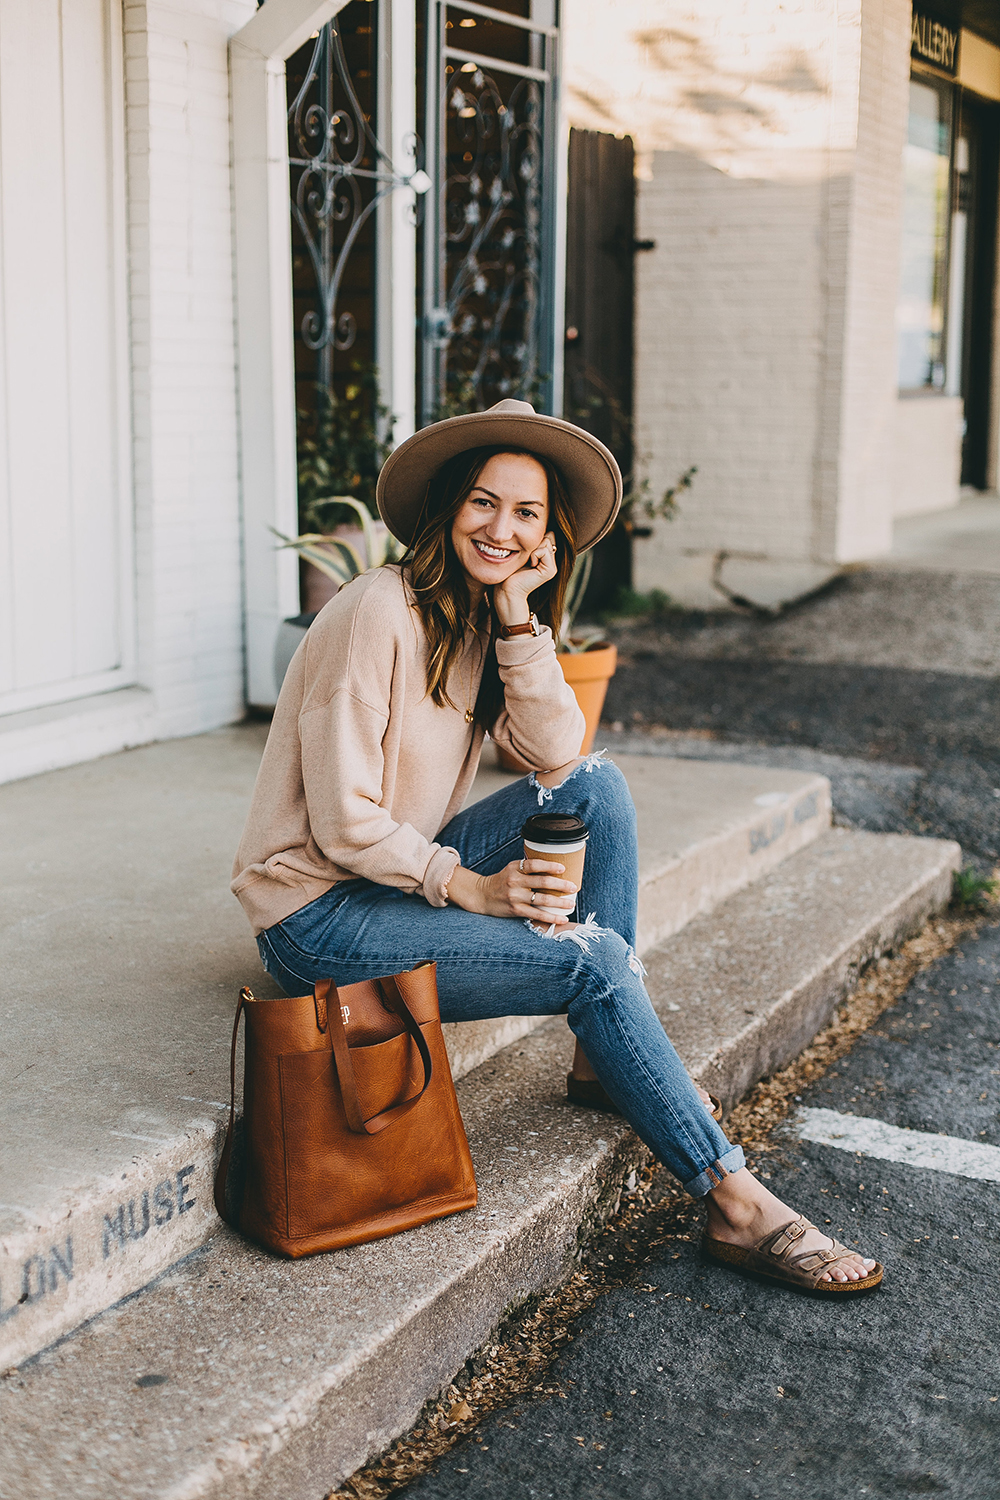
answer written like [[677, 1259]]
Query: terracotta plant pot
[[315, 588], [588, 674]]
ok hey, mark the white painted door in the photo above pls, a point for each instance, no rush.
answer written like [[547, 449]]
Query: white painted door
[[65, 543]]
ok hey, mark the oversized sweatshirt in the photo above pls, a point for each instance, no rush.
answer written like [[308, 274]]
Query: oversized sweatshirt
[[362, 769]]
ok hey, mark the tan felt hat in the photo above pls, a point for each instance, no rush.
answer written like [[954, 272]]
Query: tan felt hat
[[592, 477]]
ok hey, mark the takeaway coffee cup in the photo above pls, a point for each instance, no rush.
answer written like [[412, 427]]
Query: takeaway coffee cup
[[561, 839]]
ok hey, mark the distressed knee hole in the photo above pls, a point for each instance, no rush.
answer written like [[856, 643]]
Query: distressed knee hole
[[583, 935], [589, 763]]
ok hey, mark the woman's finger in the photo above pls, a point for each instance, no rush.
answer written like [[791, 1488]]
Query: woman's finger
[[542, 914], [552, 883], [553, 887], [556, 904]]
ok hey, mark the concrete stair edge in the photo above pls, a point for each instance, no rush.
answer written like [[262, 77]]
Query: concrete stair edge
[[729, 861], [774, 1039], [311, 1441], [100, 1240], [445, 1329]]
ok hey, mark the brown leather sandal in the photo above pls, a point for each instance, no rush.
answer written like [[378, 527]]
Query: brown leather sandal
[[773, 1257], [589, 1093]]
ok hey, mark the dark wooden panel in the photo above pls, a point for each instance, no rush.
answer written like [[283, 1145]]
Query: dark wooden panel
[[981, 125], [600, 301]]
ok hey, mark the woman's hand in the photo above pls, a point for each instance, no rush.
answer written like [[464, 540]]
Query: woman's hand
[[509, 892], [510, 599]]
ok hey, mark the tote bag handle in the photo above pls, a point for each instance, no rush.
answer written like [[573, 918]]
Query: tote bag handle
[[326, 992], [328, 1008]]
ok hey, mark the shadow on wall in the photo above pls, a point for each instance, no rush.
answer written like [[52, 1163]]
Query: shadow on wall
[[671, 89]]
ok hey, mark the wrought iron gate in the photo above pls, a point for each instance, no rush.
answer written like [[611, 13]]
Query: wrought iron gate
[[486, 229], [340, 174], [488, 251]]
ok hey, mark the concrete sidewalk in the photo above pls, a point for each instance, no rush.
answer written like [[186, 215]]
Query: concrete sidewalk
[[122, 953], [236, 1376], [963, 539]]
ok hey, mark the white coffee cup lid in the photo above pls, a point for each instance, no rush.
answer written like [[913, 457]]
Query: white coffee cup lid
[[555, 848]]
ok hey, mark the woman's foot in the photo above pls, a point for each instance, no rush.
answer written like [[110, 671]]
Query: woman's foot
[[741, 1212]]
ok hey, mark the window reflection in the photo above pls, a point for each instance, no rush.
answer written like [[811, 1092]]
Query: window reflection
[[920, 313]]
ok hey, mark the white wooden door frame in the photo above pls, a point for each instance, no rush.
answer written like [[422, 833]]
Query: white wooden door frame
[[396, 244], [90, 684], [257, 55], [264, 292]]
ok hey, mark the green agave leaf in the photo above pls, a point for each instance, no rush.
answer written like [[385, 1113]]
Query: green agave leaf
[[579, 578], [331, 555]]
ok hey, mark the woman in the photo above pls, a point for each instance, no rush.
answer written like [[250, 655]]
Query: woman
[[356, 860]]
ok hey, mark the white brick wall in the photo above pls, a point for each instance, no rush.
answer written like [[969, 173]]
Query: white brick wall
[[184, 359], [856, 521], [769, 139]]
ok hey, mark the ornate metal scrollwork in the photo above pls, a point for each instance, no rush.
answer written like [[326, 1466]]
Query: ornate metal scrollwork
[[493, 241], [328, 145]]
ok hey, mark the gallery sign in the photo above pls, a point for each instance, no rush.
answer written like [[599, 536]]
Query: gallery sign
[[933, 42]]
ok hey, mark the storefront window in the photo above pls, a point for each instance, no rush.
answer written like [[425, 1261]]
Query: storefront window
[[920, 314]]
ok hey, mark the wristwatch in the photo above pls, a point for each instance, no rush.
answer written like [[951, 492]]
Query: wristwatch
[[530, 627]]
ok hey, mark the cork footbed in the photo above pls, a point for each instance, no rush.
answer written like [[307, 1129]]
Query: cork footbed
[[750, 1262]]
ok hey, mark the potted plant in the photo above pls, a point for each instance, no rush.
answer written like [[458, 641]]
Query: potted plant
[[338, 556], [588, 660], [342, 443]]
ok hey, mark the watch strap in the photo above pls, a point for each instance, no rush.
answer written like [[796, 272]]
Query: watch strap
[[530, 627]]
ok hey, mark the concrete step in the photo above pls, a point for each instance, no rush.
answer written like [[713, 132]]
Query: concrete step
[[705, 831], [236, 1375], [122, 952]]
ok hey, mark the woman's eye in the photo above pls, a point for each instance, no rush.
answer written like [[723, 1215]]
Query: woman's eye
[[488, 504]]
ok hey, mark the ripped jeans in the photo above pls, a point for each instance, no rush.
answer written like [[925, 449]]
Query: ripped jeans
[[491, 966]]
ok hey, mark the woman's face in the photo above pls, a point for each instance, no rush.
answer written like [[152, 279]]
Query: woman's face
[[503, 520]]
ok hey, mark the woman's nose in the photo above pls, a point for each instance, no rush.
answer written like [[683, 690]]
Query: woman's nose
[[499, 528]]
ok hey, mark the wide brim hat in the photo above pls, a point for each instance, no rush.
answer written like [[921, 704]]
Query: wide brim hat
[[588, 470]]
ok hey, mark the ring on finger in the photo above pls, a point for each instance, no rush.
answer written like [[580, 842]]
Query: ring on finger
[[533, 895], [521, 865]]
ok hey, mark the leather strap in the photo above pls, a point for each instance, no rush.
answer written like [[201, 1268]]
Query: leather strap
[[787, 1236], [530, 627], [392, 1000], [222, 1171]]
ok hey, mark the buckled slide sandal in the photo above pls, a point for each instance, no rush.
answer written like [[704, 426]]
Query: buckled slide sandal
[[775, 1257]]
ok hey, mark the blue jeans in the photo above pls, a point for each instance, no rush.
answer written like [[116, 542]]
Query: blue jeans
[[492, 966]]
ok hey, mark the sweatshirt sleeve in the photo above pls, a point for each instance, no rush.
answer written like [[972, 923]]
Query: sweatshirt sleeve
[[340, 733], [541, 722]]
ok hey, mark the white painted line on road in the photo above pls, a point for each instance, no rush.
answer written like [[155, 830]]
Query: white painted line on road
[[915, 1148]]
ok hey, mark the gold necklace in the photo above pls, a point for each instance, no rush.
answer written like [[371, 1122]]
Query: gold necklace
[[470, 716]]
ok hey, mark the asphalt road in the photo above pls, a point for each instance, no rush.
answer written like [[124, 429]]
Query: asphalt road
[[894, 676], [696, 1383]]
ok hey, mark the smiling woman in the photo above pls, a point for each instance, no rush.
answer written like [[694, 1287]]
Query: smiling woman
[[497, 527], [358, 861]]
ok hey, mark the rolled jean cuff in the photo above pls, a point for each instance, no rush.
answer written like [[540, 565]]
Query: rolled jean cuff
[[713, 1175]]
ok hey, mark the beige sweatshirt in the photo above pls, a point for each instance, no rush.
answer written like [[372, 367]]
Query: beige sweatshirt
[[361, 768]]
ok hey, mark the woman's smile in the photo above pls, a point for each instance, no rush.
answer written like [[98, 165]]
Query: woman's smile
[[494, 554], [503, 521]]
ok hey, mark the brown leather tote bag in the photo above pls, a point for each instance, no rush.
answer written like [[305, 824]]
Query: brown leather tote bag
[[351, 1126]]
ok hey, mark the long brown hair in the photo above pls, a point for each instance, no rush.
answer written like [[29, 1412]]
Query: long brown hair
[[438, 581]]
